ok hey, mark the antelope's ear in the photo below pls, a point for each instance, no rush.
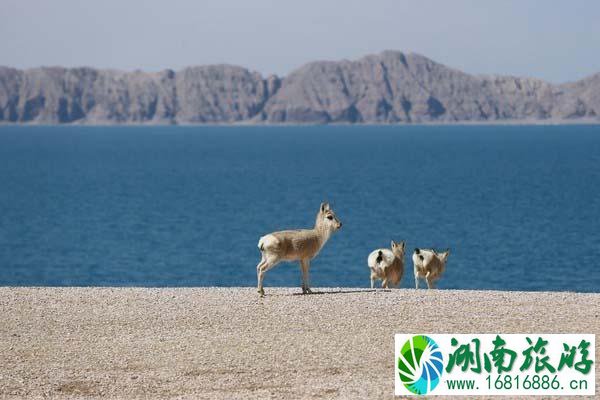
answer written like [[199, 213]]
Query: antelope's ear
[[324, 206], [393, 244], [402, 245]]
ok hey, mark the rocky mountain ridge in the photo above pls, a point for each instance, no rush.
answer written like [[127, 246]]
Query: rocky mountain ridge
[[391, 87]]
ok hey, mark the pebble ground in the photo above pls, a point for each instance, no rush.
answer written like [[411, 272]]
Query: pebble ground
[[227, 343]]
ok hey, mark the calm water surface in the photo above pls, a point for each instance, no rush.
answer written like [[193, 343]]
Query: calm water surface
[[519, 207]]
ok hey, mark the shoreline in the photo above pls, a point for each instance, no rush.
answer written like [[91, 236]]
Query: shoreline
[[277, 289], [82, 342], [244, 123]]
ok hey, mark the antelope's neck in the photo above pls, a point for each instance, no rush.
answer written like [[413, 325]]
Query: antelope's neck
[[323, 235]]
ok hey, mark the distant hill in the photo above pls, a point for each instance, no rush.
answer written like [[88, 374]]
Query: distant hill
[[391, 87]]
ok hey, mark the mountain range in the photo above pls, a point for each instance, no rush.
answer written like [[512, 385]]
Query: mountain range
[[386, 88]]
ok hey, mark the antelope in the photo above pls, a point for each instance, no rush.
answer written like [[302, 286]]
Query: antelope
[[296, 245], [429, 265], [387, 265]]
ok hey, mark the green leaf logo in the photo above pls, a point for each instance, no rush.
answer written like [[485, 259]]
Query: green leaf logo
[[420, 364]]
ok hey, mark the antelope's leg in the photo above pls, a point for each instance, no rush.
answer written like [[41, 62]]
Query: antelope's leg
[[259, 266], [260, 274], [429, 281], [305, 265], [266, 264]]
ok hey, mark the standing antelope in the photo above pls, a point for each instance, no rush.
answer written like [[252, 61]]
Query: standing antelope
[[298, 245], [429, 265], [387, 265]]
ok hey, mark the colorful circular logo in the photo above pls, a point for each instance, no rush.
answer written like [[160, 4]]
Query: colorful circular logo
[[420, 364]]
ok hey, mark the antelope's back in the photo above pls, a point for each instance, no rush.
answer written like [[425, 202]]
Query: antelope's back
[[297, 244]]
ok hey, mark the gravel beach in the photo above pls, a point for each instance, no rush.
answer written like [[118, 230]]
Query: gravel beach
[[222, 343]]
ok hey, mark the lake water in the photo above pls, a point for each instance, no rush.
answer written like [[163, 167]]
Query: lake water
[[519, 206]]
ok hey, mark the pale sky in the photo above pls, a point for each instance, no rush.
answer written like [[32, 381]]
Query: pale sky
[[556, 40]]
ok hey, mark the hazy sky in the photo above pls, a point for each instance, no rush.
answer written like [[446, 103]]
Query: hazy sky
[[557, 40]]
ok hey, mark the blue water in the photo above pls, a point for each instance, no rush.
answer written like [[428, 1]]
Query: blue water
[[519, 207]]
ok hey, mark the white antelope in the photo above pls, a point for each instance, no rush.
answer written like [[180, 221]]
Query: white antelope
[[429, 265], [298, 245], [387, 265]]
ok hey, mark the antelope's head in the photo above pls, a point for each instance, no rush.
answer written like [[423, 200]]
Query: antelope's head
[[398, 249], [443, 256], [326, 219]]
